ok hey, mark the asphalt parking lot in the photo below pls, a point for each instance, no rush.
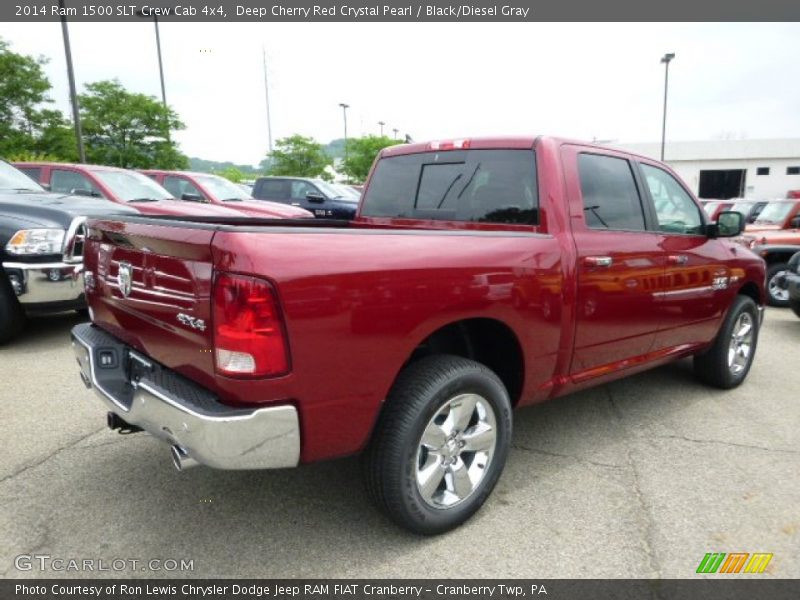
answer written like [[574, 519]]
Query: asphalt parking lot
[[639, 478]]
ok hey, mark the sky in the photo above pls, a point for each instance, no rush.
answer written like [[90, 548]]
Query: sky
[[439, 80]]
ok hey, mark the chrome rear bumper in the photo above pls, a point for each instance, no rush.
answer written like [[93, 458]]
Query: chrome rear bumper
[[181, 413]]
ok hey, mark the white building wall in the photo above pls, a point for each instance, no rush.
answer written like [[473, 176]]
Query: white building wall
[[689, 158], [774, 185]]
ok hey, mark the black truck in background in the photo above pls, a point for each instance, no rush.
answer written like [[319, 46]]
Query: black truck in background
[[41, 248]]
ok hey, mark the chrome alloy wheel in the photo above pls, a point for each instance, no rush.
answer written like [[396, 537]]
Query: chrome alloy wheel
[[777, 286], [455, 450], [741, 343]]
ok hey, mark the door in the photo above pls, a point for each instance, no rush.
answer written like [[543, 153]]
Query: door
[[183, 189], [620, 264], [696, 278], [307, 196], [64, 181]]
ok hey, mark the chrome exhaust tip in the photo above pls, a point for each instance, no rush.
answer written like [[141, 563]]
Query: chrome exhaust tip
[[180, 459]]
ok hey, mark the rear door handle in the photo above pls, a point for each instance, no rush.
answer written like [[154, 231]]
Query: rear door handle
[[677, 259], [598, 261]]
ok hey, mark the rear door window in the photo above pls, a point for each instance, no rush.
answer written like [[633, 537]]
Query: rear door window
[[610, 197], [273, 189], [482, 186]]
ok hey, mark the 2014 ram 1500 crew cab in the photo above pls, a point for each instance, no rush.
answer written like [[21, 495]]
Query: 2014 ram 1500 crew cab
[[478, 276]]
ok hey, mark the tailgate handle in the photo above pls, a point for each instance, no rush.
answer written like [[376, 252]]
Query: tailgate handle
[[598, 261]]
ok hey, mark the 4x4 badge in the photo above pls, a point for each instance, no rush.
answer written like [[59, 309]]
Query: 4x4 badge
[[192, 322]]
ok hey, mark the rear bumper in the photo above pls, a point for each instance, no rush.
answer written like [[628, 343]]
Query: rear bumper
[[45, 283], [181, 413]]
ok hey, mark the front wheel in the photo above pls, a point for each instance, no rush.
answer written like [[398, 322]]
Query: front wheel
[[777, 292], [726, 364], [440, 444]]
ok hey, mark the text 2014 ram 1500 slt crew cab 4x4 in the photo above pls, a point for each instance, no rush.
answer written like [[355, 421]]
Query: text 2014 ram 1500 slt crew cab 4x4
[[478, 276]]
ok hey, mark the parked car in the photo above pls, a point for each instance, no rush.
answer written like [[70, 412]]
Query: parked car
[[777, 214], [315, 195], [714, 207], [41, 249], [776, 248], [213, 189], [749, 208], [117, 185], [793, 282], [423, 348]]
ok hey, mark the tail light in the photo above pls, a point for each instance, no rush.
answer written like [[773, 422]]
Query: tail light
[[249, 337]]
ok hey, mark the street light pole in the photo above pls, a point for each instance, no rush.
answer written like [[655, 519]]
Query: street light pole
[[344, 112], [665, 60], [395, 130], [73, 95], [381, 123]]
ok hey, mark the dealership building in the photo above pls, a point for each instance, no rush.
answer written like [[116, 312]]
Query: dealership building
[[759, 169]]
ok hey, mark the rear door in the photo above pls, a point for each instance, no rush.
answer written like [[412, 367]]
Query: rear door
[[620, 262]]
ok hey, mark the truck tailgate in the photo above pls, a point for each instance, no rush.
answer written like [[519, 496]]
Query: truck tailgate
[[150, 286]]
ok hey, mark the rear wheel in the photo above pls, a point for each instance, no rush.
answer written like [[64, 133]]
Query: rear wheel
[[726, 364], [12, 317], [440, 444], [777, 292]]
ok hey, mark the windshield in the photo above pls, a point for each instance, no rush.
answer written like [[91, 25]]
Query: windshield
[[346, 192], [13, 180], [221, 188], [329, 189], [774, 213], [128, 186]]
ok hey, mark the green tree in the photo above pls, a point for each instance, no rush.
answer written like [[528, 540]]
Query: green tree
[[25, 126], [361, 153], [127, 129], [299, 156], [231, 174]]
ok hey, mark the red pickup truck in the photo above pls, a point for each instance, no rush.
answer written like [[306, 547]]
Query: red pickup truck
[[117, 185], [479, 276]]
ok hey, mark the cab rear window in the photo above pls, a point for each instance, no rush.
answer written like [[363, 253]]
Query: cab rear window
[[482, 186]]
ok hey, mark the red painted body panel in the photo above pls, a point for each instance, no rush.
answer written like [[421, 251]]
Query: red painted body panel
[[788, 221], [263, 209], [355, 313]]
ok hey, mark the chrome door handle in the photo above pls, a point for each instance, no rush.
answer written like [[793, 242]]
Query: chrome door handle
[[598, 261], [677, 259]]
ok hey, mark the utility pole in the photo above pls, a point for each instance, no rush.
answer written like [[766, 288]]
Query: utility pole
[[344, 113], [266, 96], [395, 131], [73, 94], [161, 76], [665, 60], [381, 123]]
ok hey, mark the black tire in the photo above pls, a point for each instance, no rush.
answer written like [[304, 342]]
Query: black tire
[[12, 317], [795, 306], [391, 461], [774, 273], [712, 366]]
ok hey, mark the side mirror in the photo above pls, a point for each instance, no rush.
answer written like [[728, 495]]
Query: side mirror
[[315, 197], [795, 222], [192, 197], [729, 223]]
